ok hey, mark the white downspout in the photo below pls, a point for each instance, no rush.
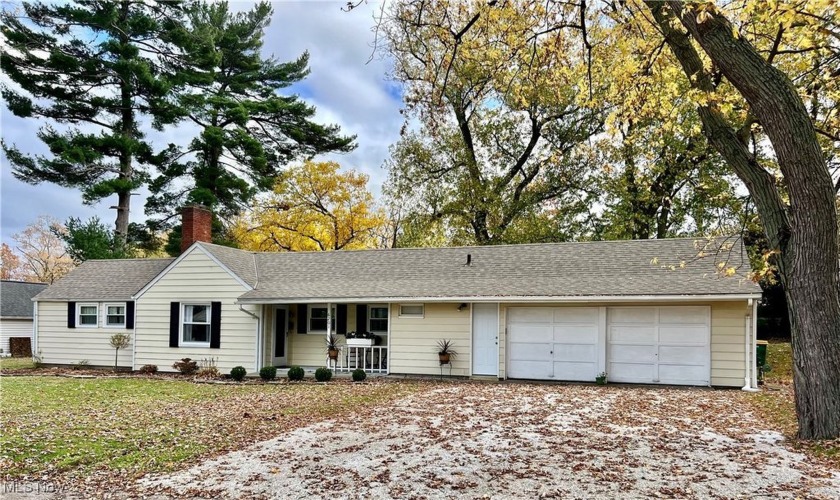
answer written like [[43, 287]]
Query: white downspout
[[259, 332], [34, 330], [749, 324], [754, 344]]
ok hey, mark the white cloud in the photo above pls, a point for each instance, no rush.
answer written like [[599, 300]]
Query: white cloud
[[345, 88]]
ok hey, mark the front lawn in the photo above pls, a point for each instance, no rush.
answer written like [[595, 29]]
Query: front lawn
[[16, 364], [65, 427]]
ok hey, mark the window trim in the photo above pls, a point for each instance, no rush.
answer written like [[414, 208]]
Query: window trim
[[184, 343], [79, 306], [309, 318], [416, 316], [387, 318], [105, 307]]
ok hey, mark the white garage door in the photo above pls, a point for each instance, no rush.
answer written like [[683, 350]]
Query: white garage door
[[658, 345], [555, 343]]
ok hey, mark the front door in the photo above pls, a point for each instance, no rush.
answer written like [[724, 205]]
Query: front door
[[485, 342], [281, 328]]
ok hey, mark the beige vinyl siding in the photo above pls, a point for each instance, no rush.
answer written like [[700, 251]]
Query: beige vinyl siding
[[414, 340], [13, 328], [60, 345], [195, 279], [728, 326], [727, 335]]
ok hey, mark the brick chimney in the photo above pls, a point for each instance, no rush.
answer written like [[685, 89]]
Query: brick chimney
[[196, 221]]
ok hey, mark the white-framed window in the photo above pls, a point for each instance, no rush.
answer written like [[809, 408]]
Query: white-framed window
[[318, 318], [87, 315], [378, 318], [412, 310], [115, 315], [195, 325]]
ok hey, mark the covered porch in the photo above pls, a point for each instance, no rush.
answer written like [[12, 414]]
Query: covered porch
[[296, 334]]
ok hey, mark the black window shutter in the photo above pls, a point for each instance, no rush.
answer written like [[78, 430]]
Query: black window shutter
[[301, 318], [215, 325], [174, 323], [71, 315], [129, 315], [341, 319], [361, 317]]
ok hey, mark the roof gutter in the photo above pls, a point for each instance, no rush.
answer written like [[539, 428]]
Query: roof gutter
[[522, 299]]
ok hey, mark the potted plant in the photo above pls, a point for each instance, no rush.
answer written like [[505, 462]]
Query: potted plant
[[360, 339], [332, 347], [445, 351]]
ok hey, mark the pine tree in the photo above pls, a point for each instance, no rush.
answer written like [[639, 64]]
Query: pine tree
[[248, 130], [94, 71]]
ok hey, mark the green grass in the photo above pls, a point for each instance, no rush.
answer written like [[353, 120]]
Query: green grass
[[16, 363], [128, 427], [780, 359]]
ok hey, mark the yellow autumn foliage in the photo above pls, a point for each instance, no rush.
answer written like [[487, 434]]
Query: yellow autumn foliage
[[313, 207]]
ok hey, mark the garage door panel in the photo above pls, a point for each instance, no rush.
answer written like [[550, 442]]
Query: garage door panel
[[576, 315], [672, 349], [554, 343], [683, 315], [687, 334], [632, 315], [530, 314], [685, 374], [578, 334], [533, 370], [530, 352], [683, 355], [632, 353], [580, 372], [575, 352], [532, 333], [632, 334], [631, 372]]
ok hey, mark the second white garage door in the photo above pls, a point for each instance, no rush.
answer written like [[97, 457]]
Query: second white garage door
[[658, 345], [553, 343]]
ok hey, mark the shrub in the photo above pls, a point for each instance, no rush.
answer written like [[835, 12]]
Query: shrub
[[186, 366], [296, 373], [208, 372], [268, 373], [81, 364], [148, 369], [601, 379], [359, 375], [323, 374], [238, 373]]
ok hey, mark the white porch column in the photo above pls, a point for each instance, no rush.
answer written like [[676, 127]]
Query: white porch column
[[329, 320]]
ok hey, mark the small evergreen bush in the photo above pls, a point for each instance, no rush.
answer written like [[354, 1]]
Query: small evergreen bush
[[296, 373], [323, 374], [238, 373], [268, 373], [148, 369], [359, 375], [186, 366]]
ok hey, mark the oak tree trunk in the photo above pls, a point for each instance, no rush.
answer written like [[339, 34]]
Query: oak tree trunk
[[804, 232]]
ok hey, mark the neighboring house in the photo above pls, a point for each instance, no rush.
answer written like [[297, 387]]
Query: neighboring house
[[647, 311], [16, 310]]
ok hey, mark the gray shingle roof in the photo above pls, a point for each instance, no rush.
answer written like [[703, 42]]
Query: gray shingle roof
[[105, 280], [240, 262], [603, 268], [16, 298]]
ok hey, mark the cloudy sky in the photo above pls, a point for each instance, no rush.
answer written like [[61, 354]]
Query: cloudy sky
[[344, 86]]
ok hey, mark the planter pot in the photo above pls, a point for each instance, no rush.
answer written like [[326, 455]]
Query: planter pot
[[359, 342], [444, 358], [333, 353]]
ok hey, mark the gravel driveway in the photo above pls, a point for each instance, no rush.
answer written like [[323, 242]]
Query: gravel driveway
[[515, 440]]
